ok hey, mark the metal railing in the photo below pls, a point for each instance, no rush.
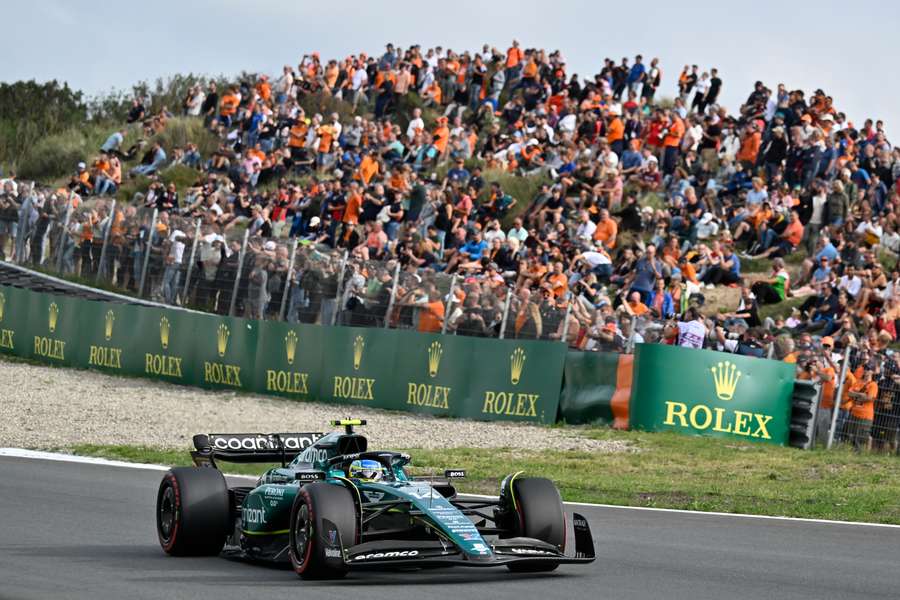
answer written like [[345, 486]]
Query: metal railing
[[187, 262]]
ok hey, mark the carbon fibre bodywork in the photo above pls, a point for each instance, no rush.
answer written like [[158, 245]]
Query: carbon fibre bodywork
[[401, 521]]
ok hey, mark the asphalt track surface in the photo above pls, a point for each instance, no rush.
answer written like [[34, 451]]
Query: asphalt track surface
[[87, 531]]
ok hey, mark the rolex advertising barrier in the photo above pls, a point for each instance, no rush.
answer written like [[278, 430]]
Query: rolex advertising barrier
[[393, 369], [701, 392]]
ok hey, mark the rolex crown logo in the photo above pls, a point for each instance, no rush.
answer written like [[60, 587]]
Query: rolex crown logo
[[725, 377], [164, 333], [434, 358], [516, 364], [222, 339], [2, 304], [54, 316], [290, 346], [108, 326], [358, 345]]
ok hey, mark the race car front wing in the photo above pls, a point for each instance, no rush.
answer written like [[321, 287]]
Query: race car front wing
[[436, 554]]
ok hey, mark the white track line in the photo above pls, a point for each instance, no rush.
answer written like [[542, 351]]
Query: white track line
[[90, 460]]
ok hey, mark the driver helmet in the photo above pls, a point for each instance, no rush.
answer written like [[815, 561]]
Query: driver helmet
[[366, 470]]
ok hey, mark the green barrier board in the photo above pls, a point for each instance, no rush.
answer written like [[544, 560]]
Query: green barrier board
[[701, 392], [392, 369]]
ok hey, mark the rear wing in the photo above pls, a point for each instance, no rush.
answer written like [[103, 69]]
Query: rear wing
[[250, 447]]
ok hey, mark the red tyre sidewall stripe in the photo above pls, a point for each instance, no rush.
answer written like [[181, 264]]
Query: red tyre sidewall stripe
[[309, 542], [167, 546]]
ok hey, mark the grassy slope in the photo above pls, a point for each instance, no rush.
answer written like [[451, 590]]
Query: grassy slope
[[667, 471]]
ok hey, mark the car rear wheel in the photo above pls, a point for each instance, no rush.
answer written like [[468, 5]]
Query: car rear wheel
[[537, 513], [192, 514], [323, 519]]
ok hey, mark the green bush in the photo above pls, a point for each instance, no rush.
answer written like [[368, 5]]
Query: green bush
[[182, 130], [325, 104], [56, 156]]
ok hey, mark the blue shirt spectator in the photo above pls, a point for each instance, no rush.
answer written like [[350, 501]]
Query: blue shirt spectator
[[113, 142], [828, 251], [474, 249]]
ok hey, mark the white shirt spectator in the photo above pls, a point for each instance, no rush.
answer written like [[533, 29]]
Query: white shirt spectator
[[585, 230], [491, 234], [360, 78], [594, 258], [691, 334], [414, 124], [176, 250], [852, 284], [521, 233]]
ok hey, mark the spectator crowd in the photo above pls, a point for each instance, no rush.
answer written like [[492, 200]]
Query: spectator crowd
[[489, 191]]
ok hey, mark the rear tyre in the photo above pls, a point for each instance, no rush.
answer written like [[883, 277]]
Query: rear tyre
[[538, 513], [192, 513], [323, 518]]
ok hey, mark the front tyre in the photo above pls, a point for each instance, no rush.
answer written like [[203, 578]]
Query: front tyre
[[192, 513], [536, 512], [323, 519]]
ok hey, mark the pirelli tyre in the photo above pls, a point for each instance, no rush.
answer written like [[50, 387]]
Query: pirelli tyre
[[192, 512], [534, 509], [323, 522]]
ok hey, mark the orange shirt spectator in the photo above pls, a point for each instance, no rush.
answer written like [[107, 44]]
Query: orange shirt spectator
[[676, 132], [514, 56], [431, 318], [749, 147], [638, 308], [442, 135], [368, 168], [326, 137], [331, 75], [229, 104], [828, 387], [353, 208], [559, 283], [793, 233], [864, 409], [689, 272], [298, 135], [434, 92], [257, 154], [264, 89], [606, 232], [531, 70], [615, 131]]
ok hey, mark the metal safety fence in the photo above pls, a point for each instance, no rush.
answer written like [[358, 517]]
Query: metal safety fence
[[197, 263]]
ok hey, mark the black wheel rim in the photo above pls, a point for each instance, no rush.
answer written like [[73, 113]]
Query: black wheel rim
[[301, 533], [167, 513]]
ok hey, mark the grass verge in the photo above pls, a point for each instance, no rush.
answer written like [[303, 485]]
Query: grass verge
[[667, 471]]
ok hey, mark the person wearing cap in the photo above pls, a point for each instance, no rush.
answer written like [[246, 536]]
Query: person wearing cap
[[615, 132], [84, 179]]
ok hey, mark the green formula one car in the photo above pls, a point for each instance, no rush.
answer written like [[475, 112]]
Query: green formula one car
[[334, 506]]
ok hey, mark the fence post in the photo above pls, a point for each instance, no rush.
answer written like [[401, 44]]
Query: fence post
[[148, 243], [450, 300], [505, 313], [288, 286], [837, 397], [109, 225], [190, 267], [390, 307], [61, 246], [565, 331], [240, 268], [340, 284]]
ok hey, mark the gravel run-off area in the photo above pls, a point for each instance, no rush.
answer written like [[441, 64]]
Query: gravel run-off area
[[55, 408]]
